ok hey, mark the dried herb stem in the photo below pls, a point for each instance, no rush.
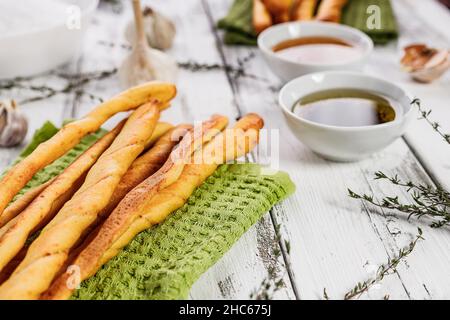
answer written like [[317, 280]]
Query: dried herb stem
[[425, 114], [429, 201], [384, 270]]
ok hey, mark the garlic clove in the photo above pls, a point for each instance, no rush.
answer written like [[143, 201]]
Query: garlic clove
[[159, 30], [13, 124], [433, 70], [147, 64], [425, 64]]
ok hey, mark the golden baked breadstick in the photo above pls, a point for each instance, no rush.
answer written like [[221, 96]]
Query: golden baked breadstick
[[242, 138], [277, 7], [261, 18], [14, 234], [124, 214], [50, 250], [230, 145], [73, 132], [330, 10], [304, 10], [160, 130], [20, 204]]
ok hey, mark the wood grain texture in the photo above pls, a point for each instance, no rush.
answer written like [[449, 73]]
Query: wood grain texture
[[335, 241], [200, 95]]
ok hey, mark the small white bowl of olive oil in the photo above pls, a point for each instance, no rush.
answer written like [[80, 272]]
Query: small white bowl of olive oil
[[345, 116], [294, 49]]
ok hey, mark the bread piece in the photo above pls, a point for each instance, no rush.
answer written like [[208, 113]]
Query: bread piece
[[331, 10], [18, 176], [20, 204], [277, 7], [242, 138], [14, 234], [304, 10], [50, 250], [261, 17]]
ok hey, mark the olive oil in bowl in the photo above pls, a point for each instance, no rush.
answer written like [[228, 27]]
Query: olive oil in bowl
[[347, 108]]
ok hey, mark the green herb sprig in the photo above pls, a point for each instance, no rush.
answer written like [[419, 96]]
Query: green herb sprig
[[427, 200], [384, 269]]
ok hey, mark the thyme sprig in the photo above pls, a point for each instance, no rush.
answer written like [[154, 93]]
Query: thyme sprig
[[430, 201], [74, 84], [425, 115], [433, 202], [385, 269]]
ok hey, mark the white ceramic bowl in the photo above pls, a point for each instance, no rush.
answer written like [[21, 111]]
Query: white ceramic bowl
[[43, 49], [288, 70], [344, 143]]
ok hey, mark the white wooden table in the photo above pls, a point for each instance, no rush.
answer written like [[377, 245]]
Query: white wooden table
[[335, 241]]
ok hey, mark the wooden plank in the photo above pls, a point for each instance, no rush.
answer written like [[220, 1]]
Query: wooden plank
[[200, 94], [335, 241], [421, 22]]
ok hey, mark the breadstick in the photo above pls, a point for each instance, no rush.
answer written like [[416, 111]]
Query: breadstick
[[73, 132], [20, 204], [160, 130], [277, 7], [124, 214], [49, 251], [43, 207], [261, 18], [304, 10], [330, 10], [166, 200]]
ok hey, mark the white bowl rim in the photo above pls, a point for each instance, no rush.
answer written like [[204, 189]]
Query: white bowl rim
[[90, 7], [344, 128], [345, 28]]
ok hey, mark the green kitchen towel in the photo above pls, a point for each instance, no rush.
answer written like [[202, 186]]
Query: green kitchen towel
[[374, 17], [164, 261], [47, 131], [357, 13], [238, 24]]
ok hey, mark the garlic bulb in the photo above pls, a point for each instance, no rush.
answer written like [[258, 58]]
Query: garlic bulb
[[425, 64], [13, 124], [159, 30], [147, 64]]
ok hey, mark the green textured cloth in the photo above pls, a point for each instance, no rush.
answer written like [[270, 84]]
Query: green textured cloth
[[238, 24], [356, 15], [47, 131], [239, 29], [164, 261]]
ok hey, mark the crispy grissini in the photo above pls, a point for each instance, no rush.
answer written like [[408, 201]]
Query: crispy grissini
[[22, 202], [73, 132], [50, 249], [304, 10], [14, 234], [331, 10], [161, 129], [277, 7], [261, 17], [226, 146]]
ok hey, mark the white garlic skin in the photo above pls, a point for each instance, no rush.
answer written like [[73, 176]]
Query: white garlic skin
[[159, 30], [433, 69], [13, 124], [147, 64]]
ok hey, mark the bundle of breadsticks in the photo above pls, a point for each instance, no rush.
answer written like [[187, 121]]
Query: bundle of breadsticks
[[269, 12], [129, 180]]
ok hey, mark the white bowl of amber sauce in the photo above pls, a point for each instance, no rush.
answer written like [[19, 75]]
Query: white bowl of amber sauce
[[294, 49], [345, 116]]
